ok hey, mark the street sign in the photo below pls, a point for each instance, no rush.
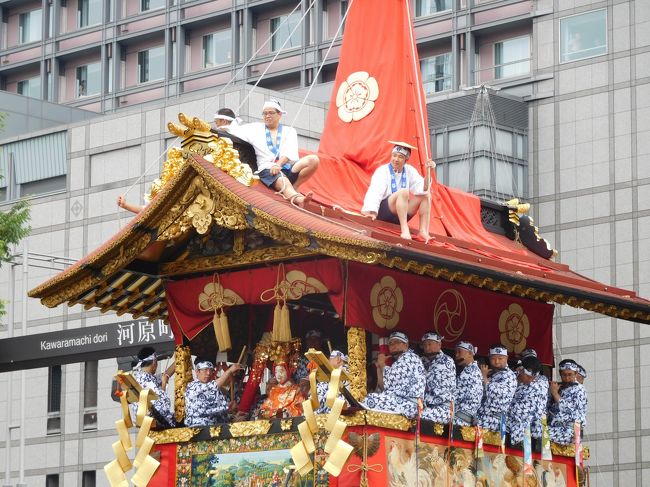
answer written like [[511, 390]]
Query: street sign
[[81, 344]]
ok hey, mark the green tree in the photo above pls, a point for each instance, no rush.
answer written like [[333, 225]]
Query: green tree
[[14, 226]]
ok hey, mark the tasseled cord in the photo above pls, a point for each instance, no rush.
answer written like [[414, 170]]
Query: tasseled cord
[[221, 330]]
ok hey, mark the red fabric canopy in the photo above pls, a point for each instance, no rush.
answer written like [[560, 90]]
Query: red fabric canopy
[[380, 300], [381, 79]]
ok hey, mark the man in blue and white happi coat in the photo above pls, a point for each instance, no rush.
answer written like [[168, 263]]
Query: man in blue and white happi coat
[[338, 360], [568, 404], [528, 403], [144, 372], [205, 404], [440, 373], [469, 385], [403, 382], [499, 386]]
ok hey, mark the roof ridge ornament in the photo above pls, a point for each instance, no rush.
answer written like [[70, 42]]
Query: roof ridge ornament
[[197, 138]]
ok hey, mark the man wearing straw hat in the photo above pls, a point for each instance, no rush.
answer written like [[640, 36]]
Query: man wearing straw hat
[[397, 192]]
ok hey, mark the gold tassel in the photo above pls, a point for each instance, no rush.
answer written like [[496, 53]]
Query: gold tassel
[[225, 332], [275, 336], [217, 329], [285, 324]]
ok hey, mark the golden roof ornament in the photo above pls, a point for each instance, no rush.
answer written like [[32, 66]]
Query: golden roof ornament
[[197, 138]]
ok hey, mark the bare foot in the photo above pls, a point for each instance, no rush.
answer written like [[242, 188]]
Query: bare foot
[[307, 199], [406, 235], [426, 237]]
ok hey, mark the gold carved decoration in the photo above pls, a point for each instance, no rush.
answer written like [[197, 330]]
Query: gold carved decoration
[[215, 431], [250, 428], [285, 424], [182, 377], [387, 420], [173, 435], [198, 208], [387, 301], [229, 261], [438, 429], [514, 327], [357, 362]]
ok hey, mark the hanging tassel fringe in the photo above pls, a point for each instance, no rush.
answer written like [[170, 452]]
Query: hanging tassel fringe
[[226, 345], [277, 317], [285, 324], [216, 324]]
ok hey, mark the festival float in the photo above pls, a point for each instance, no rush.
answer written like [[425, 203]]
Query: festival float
[[234, 268]]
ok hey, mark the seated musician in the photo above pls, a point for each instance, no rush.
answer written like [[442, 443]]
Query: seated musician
[[568, 404], [144, 372], [338, 360], [284, 399], [205, 403], [313, 339], [440, 379], [499, 384], [529, 401], [403, 382], [469, 385], [397, 192]]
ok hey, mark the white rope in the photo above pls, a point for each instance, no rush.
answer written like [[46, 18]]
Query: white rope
[[327, 53], [276, 54], [205, 110]]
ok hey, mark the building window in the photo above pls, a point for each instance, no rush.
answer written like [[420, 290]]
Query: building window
[[90, 384], [512, 57], [217, 49], [88, 479], [30, 87], [429, 7], [583, 36], [436, 73], [54, 389], [30, 26], [146, 5], [344, 10], [89, 12], [52, 480], [151, 64], [282, 32], [89, 79]]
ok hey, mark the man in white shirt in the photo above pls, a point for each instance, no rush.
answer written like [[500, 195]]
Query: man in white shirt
[[397, 192], [225, 119], [276, 148]]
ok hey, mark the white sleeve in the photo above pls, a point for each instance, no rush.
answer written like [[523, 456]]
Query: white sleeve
[[376, 191], [245, 132], [416, 181], [289, 144]]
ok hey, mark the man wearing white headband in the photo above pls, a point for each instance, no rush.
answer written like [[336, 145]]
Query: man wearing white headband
[[528, 403], [469, 385], [225, 119], [500, 383], [276, 147], [205, 404], [568, 404], [397, 192], [403, 382], [338, 360], [440, 379], [144, 372]]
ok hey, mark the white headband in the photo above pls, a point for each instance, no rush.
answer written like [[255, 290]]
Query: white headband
[[204, 365], [499, 351], [467, 346], [569, 366], [339, 354], [275, 104], [223, 117], [150, 358], [406, 152]]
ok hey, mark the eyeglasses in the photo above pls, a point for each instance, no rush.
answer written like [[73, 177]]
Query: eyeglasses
[[269, 114]]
